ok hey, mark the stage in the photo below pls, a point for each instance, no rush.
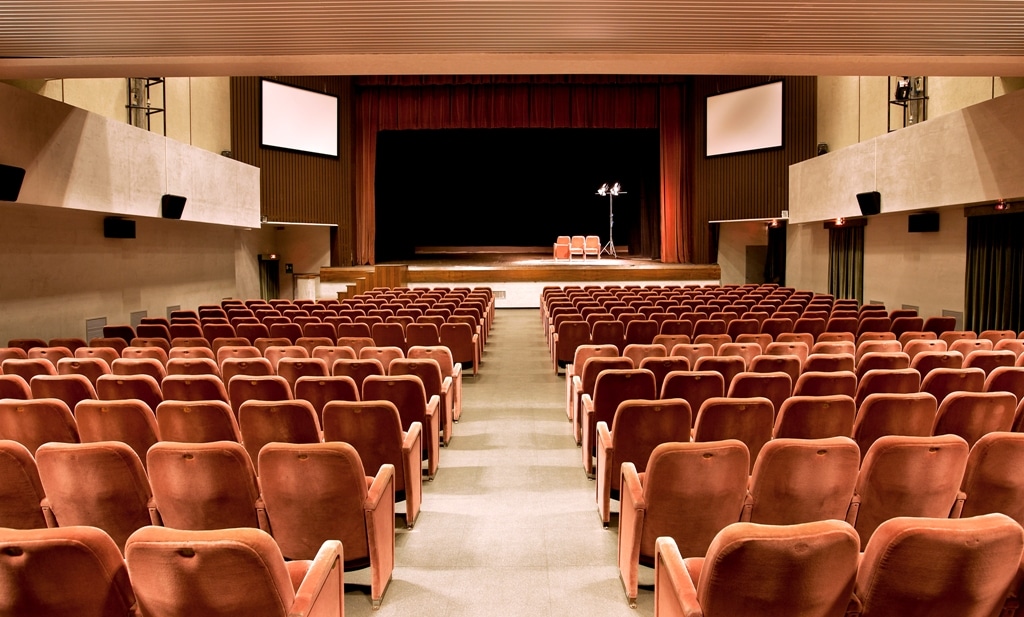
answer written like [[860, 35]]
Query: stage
[[516, 274]]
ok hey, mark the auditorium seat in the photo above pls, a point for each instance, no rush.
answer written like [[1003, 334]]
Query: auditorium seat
[[406, 392], [73, 571], [205, 486], [139, 366], [561, 248], [21, 492], [35, 422], [193, 366], [231, 572], [1006, 379], [907, 476], [292, 369], [807, 569], [826, 383], [669, 501], [14, 387], [941, 382], [449, 368], [749, 420], [637, 428], [612, 387], [694, 387], [374, 429], [822, 362], [275, 353], [974, 414], [577, 246], [361, 514], [939, 567], [895, 381], [815, 417], [989, 360], [28, 368], [776, 387], [69, 388], [592, 246], [128, 421], [101, 484], [142, 387], [802, 480], [893, 414], [435, 383], [12, 353], [53, 354]]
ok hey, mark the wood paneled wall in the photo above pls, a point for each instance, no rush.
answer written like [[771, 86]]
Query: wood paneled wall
[[751, 185], [294, 187]]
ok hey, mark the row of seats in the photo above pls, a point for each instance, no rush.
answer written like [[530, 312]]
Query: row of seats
[[803, 480], [214, 486], [566, 247], [912, 566], [164, 573], [275, 411]]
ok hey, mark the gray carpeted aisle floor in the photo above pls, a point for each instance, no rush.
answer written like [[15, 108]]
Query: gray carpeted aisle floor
[[509, 526]]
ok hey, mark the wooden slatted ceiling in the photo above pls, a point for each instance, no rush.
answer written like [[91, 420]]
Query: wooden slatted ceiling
[[818, 29]]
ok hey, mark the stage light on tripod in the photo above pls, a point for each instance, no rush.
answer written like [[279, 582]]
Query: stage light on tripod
[[603, 190], [615, 189]]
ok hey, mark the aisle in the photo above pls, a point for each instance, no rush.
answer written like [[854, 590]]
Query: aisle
[[509, 525]]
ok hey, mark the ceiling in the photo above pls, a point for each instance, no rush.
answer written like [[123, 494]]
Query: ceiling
[[97, 38]]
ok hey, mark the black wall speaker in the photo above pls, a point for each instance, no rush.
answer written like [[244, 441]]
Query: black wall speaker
[[870, 203], [171, 206], [117, 227], [923, 222], [10, 182]]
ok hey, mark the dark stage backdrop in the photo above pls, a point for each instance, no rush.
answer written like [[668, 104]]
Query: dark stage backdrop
[[514, 187]]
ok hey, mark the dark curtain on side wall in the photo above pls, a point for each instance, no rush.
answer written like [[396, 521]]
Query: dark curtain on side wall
[[994, 297], [444, 102], [846, 262], [775, 263]]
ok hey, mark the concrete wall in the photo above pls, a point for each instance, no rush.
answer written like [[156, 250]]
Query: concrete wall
[[58, 270], [733, 240]]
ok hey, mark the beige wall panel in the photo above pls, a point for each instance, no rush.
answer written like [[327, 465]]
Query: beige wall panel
[[733, 240], [966, 156], [76, 159], [211, 113], [106, 97], [179, 110], [838, 111], [807, 257], [1006, 85], [874, 107], [927, 270], [948, 94], [59, 270]]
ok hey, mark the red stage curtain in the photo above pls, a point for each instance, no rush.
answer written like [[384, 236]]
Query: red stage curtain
[[400, 103]]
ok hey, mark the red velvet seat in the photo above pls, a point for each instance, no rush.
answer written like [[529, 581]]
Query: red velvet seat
[[21, 492], [197, 421]]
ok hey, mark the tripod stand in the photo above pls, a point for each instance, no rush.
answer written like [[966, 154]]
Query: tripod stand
[[609, 247]]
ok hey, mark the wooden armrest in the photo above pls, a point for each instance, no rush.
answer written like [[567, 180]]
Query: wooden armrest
[[323, 586], [381, 487]]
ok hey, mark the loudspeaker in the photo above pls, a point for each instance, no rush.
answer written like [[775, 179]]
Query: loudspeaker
[[923, 222], [10, 182], [870, 203], [117, 227], [171, 206]]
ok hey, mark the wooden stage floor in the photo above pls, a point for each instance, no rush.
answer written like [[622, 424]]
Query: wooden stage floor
[[518, 277]]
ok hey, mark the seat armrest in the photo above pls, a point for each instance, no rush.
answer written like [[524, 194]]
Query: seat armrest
[[958, 505], [383, 484], [604, 472], [446, 385], [322, 590], [261, 515], [433, 404], [588, 405], [632, 511], [675, 593], [154, 513], [48, 516], [748, 507], [411, 438], [457, 370], [853, 511]]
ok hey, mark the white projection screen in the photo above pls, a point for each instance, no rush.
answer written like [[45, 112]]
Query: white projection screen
[[297, 119], [745, 120]]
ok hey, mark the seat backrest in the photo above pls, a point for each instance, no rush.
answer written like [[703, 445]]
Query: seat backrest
[[138, 365], [819, 559], [405, 391], [101, 484], [203, 485], [244, 388], [193, 366], [803, 480], [614, 386], [688, 510], [815, 417], [973, 414], [886, 360], [194, 388], [893, 381], [989, 360], [66, 572], [776, 387], [909, 476], [143, 387], [749, 420], [198, 421], [826, 383], [909, 565], [827, 362], [14, 386], [21, 492], [992, 481], [327, 504], [293, 368], [374, 429], [37, 421], [693, 386], [941, 382], [727, 366], [237, 351], [1006, 379], [321, 390], [788, 364], [129, 421], [107, 354], [69, 388], [383, 354], [289, 421], [358, 370], [640, 425], [27, 368], [243, 569], [893, 414]]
